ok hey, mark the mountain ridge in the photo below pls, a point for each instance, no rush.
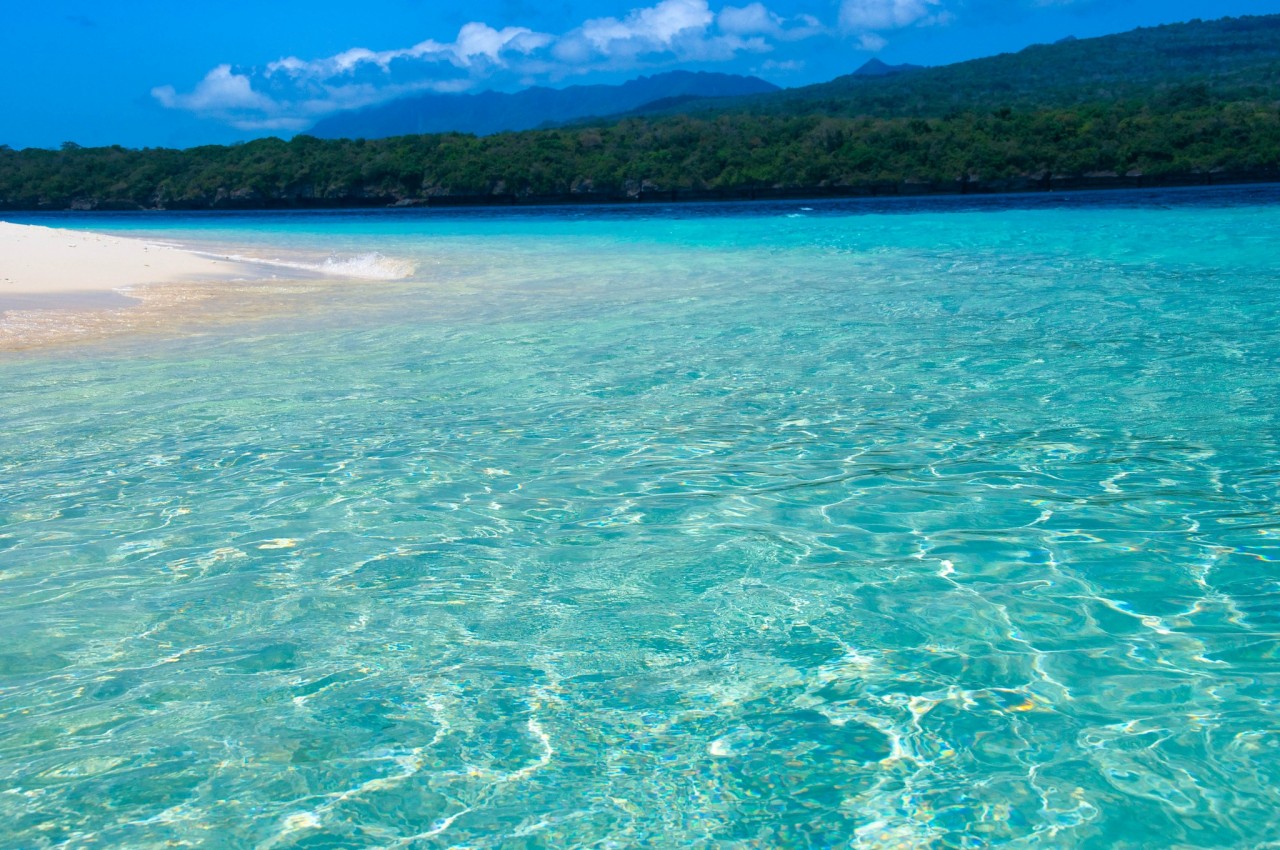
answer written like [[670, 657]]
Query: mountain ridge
[[875, 67], [1234, 58], [489, 112]]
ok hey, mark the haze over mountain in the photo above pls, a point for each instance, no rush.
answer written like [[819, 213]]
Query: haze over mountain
[[492, 112]]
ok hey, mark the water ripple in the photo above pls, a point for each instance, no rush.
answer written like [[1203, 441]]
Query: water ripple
[[870, 531]]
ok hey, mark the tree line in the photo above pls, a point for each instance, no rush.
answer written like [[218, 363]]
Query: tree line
[[992, 150]]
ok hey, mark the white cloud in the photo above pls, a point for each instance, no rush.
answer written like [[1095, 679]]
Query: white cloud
[[748, 20], [230, 97], [756, 19], [667, 27], [663, 23], [872, 15], [221, 88], [872, 42], [868, 19], [291, 93], [774, 66], [475, 42]]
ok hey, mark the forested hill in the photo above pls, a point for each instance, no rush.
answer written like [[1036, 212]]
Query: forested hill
[[1228, 59], [1205, 109]]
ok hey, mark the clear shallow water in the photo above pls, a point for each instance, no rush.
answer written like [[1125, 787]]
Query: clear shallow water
[[915, 525]]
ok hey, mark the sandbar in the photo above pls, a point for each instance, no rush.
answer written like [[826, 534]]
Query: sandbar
[[46, 261], [62, 288], [66, 287]]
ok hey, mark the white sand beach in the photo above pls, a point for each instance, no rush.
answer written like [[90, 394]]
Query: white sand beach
[[69, 287], [36, 261], [62, 286]]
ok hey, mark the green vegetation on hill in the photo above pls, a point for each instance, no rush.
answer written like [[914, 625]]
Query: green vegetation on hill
[[1230, 59], [1216, 118]]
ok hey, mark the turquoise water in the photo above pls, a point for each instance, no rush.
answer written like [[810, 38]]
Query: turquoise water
[[926, 525]]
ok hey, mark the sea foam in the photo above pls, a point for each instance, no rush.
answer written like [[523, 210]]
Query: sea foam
[[371, 265]]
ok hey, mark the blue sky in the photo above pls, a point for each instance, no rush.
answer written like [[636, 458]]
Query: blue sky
[[159, 72]]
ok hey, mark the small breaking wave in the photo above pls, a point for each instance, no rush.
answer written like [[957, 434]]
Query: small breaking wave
[[368, 266], [371, 266]]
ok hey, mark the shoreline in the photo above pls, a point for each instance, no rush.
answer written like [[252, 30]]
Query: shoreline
[[873, 190], [886, 190]]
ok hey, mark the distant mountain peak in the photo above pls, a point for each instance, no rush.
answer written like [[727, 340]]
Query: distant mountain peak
[[875, 68]]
